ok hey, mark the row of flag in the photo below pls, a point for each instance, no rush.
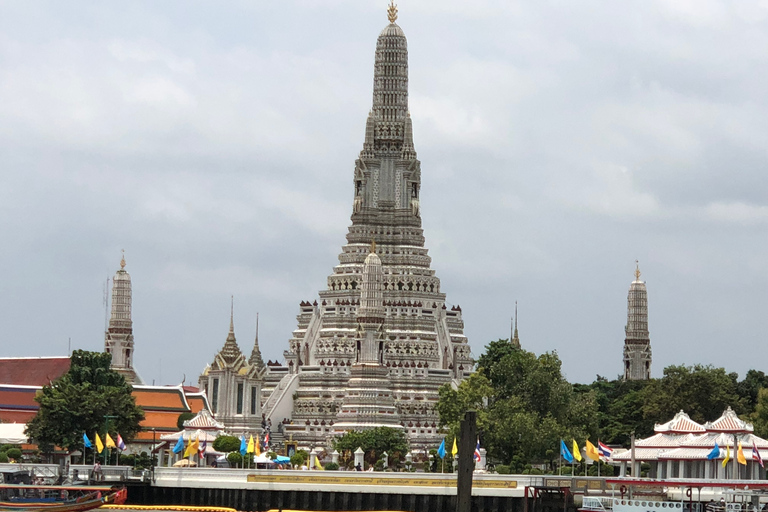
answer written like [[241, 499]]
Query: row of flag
[[717, 453], [191, 448], [441, 450], [109, 442], [601, 451]]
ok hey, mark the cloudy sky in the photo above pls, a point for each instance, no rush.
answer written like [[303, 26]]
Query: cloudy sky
[[215, 143]]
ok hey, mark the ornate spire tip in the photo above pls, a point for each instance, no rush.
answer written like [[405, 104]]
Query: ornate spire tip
[[392, 11], [122, 260], [373, 246], [637, 270]]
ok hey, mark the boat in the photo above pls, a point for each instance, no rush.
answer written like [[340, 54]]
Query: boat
[[58, 498]]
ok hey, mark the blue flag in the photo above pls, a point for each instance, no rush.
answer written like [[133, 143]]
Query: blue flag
[[441, 450], [86, 441], [243, 446], [715, 453], [179, 445], [565, 453]]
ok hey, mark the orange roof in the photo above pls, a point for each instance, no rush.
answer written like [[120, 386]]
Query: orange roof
[[160, 398], [18, 397], [32, 371], [197, 402], [14, 416]]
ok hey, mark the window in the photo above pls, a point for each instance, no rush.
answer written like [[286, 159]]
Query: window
[[254, 396], [215, 397], [240, 398]]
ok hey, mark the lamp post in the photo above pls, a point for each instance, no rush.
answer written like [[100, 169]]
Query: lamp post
[[107, 417]]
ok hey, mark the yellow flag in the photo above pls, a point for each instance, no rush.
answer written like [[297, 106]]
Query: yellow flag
[[592, 452], [257, 446], [455, 448], [740, 456], [188, 450], [318, 465], [576, 451], [191, 448], [250, 448], [110, 442], [99, 444], [727, 455]]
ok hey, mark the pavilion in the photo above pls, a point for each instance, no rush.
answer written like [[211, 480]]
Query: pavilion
[[680, 448]]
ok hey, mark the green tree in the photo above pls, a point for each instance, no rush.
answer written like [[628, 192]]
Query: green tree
[[749, 388], [226, 444], [374, 442], [185, 416], [81, 401], [703, 392], [524, 405], [759, 417]]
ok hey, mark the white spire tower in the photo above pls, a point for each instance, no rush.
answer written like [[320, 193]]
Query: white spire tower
[[118, 339]]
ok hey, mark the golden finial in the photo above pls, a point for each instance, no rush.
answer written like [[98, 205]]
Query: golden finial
[[122, 260], [637, 270], [373, 246], [392, 11]]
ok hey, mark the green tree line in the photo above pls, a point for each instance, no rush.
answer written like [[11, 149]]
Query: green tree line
[[525, 405]]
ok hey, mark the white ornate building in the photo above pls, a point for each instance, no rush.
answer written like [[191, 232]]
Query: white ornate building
[[118, 339], [637, 343], [682, 448], [233, 383], [377, 344]]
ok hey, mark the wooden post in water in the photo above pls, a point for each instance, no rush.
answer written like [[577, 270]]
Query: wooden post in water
[[467, 440]]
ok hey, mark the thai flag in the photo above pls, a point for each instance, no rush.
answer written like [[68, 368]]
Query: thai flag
[[266, 439], [201, 449], [756, 454], [120, 443], [477, 451], [605, 452]]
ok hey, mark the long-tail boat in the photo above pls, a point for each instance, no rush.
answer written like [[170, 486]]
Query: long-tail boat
[[58, 498]]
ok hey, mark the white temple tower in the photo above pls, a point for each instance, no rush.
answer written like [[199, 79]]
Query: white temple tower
[[637, 344], [382, 323], [232, 384], [369, 401], [118, 339]]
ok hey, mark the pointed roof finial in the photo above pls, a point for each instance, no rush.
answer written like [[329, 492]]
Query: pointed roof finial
[[392, 11], [122, 260], [637, 270], [373, 246], [232, 314]]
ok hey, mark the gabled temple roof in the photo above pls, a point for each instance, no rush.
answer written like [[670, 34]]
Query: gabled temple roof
[[729, 422], [32, 371], [161, 398], [680, 424], [662, 440], [203, 421]]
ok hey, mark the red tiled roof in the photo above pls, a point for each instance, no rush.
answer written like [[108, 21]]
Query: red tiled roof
[[680, 424], [161, 398], [14, 416], [729, 422], [32, 371]]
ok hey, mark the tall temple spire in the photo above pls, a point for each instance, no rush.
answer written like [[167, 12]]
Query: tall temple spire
[[118, 340], [637, 343], [256, 359], [230, 352], [380, 341], [515, 339]]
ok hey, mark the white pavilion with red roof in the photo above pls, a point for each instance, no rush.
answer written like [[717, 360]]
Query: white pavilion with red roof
[[681, 448]]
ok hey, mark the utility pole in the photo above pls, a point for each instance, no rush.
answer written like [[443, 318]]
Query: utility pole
[[467, 440]]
